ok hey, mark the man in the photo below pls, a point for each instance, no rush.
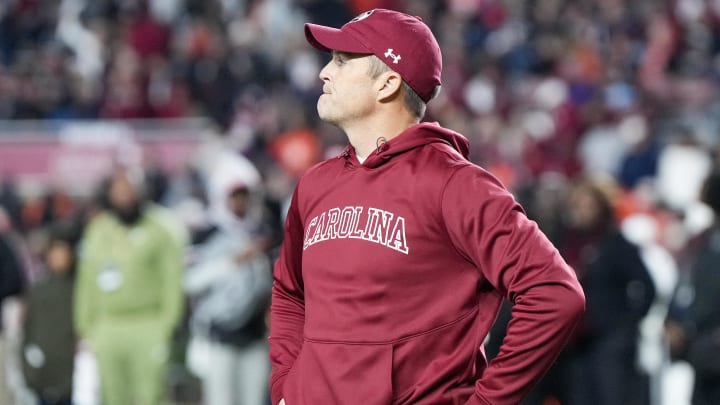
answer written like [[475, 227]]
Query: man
[[128, 296], [399, 252]]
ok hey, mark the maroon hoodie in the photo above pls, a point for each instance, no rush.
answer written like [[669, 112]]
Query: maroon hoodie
[[393, 271]]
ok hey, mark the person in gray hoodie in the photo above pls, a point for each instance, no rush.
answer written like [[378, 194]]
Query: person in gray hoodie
[[229, 281]]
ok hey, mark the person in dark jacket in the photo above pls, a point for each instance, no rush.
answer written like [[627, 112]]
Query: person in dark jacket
[[693, 325], [619, 292], [49, 340]]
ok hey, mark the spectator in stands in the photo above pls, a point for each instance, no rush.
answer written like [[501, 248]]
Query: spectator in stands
[[230, 280], [129, 292], [49, 338], [693, 327], [11, 283], [619, 293]]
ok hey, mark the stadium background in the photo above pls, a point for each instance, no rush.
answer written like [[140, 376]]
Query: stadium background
[[548, 92]]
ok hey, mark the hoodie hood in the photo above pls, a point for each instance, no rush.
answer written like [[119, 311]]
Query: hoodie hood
[[414, 137], [228, 172]]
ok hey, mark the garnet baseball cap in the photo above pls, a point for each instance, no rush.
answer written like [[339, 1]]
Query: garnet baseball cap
[[403, 42]]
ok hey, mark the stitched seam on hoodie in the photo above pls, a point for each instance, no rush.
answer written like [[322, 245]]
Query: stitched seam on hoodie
[[446, 148], [442, 209], [402, 339]]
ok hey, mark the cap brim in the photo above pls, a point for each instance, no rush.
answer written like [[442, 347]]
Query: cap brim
[[329, 39]]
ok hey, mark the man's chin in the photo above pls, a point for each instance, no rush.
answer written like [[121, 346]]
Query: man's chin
[[327, 117], [324, 108]]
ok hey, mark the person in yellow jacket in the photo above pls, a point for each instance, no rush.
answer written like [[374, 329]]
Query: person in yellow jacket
[[129, 294]]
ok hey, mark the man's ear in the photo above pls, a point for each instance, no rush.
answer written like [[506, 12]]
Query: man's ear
[[388, 85]]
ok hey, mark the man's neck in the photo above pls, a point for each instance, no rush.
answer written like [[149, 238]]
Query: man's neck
[[365, 136]]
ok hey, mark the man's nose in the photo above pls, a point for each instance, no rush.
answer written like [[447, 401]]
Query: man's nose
[[324, 74]]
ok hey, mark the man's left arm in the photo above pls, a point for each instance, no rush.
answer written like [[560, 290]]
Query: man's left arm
[[492, 230]]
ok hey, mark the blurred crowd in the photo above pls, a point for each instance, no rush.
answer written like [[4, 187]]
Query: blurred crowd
[[603, 117]]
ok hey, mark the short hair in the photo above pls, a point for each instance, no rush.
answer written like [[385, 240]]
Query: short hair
[[600, 190], [412, 100]]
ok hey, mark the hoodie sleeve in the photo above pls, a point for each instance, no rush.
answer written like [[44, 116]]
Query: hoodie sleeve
[[491, 230], [287, 311]]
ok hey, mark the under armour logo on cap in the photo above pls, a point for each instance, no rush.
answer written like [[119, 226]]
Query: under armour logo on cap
[[362, 16], [395, 58]]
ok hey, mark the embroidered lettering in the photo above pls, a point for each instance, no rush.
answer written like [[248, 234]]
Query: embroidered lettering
[[378, 233], [356, 233], [307, 232], [346, 217], [320, 227], [330, 231], [380, 226], [397, 238]]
